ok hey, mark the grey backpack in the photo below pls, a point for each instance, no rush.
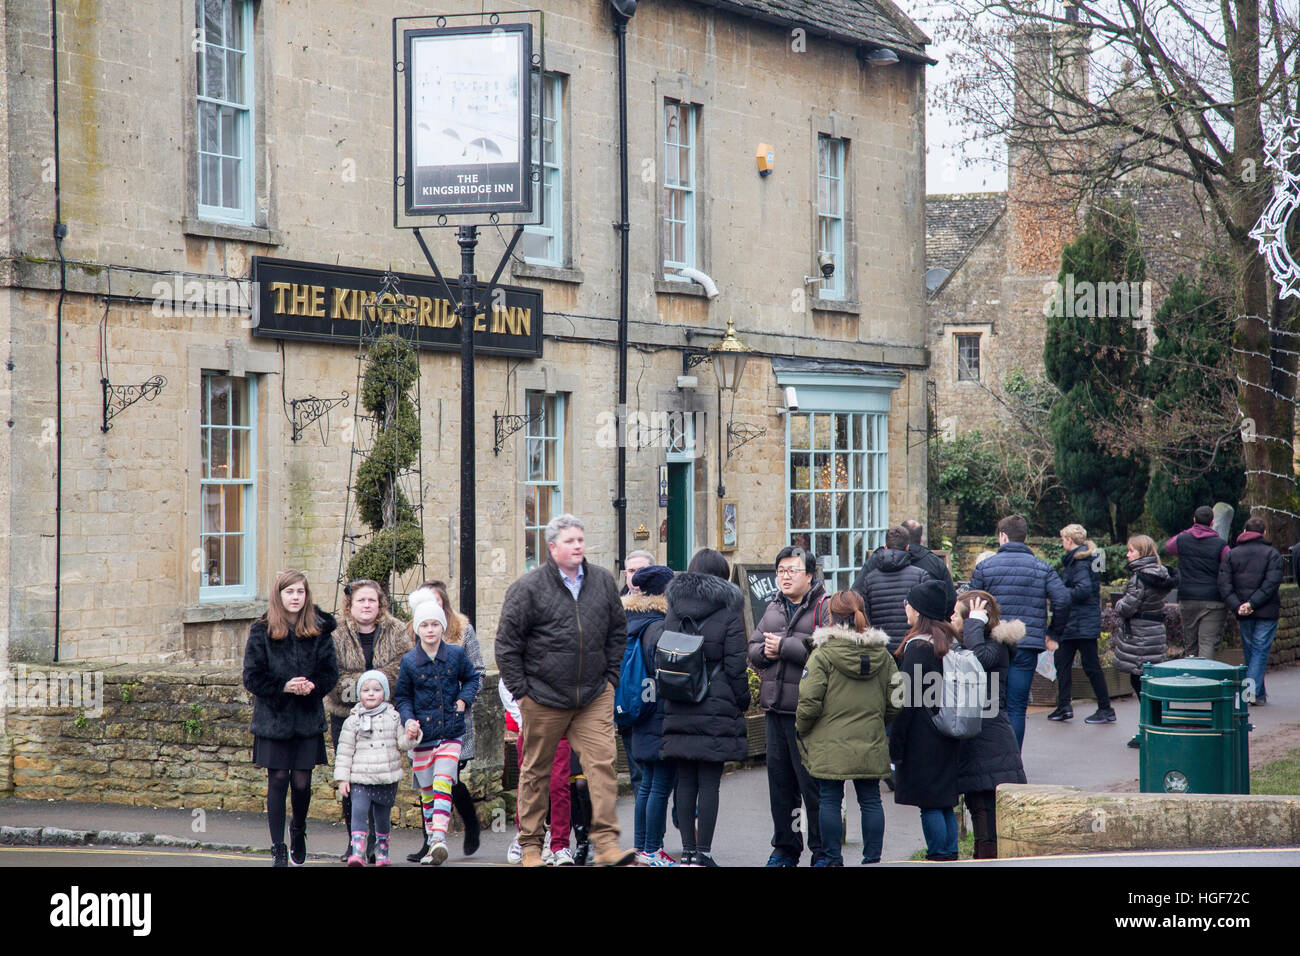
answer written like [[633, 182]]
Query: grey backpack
[[964, 686]]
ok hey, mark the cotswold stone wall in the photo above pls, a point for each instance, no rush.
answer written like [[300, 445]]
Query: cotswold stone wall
[[175, 736]]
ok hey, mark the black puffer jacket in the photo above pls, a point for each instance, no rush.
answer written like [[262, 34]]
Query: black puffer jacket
[[1084, 585], [919, 555], [557, 651], [994, 756], [779, 691], [713, 729], [645, 617], [884, 588], [925, 761], [1252, 572], [270, 664], [1142, 637]]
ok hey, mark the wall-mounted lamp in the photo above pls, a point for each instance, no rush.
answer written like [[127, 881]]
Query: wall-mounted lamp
[[881, 57], [729, 357]]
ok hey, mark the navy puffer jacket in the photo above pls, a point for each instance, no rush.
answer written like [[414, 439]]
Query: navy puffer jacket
[[1024, 585], [883, 586], [428, 688], [713, 729], [1084, 585]]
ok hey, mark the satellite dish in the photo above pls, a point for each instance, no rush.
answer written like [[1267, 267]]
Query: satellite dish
[[935, 277]]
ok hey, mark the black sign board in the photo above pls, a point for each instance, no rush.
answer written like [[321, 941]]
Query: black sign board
[[760, 587], [323, 303]]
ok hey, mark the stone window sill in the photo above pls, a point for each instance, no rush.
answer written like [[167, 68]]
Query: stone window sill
[[531, 270], [238, 611], [843, 306], [227, 230], [672, 287]]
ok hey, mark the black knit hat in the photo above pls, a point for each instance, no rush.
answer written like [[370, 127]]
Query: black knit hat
[[933, 599], [653, 579]]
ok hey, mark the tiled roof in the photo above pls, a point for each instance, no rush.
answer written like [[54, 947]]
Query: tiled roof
[[1175, 231], [954, 224], [857, 22]]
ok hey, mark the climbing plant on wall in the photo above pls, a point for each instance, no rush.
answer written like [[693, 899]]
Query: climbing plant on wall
[[395, 546]]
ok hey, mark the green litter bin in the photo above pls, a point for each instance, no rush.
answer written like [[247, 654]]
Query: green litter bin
[[1188, 735], [1217, 670]]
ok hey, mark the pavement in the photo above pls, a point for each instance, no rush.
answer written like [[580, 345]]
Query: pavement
[[1091, 757]]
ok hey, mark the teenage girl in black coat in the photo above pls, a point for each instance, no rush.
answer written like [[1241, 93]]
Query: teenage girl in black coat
[[289, 667]]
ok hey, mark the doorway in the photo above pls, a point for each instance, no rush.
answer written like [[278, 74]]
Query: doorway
[[681, 518]]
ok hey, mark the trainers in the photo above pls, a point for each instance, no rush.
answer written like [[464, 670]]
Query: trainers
[[657, 858], [516, 852], [687, 858], [418, 855], [1061, 713], [1103, 715], [700, 858], [780, 859], [279, 854], [298, 845], [562, 857], [437, 854], [1136, 742]]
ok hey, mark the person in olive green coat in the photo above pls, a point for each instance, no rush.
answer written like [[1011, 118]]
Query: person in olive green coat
[[844, 705]]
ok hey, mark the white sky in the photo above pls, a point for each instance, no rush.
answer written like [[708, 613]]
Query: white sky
[[945, 169]]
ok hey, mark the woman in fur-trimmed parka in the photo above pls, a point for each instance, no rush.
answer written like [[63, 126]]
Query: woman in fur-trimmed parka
[[703, 736], [845, 701], [993, 757]]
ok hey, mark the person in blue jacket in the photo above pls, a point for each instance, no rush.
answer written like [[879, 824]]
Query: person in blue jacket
[[436, 685], [1081, 578], [1025, 587]]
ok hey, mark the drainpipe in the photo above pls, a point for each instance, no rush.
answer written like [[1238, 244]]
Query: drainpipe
[[60, 232], [623, 11]]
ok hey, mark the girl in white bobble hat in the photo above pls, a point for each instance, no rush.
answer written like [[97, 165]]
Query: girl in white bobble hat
[[436, 685]]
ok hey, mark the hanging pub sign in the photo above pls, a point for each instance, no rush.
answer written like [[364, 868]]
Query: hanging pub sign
[[468, 114], [315, 302]]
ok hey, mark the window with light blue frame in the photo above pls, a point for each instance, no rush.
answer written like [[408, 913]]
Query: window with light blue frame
[[837, 470], [223, 38], [830, 212], [228, 488], [680, 122], [544, 244], [543, 471]]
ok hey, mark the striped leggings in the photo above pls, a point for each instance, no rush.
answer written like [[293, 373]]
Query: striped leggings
[[435, 771]]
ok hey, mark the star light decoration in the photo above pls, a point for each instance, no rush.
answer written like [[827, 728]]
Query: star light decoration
[[1281, 148]]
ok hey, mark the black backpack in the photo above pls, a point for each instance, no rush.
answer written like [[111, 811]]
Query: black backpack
[[681, 674]]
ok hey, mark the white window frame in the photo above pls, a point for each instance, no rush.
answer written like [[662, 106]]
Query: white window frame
[[248, 589], [552, 225], [554, 404], [243, 128], [832, 219], [688, 189]]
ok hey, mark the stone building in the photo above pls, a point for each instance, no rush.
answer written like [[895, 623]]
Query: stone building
[[194, 138], [993, 258]]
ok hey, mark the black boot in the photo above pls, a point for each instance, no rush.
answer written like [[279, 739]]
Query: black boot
[[464, 804], [347, 829], [581, 817], [986, 849], [418, 855], [279, 854], [298, 843]]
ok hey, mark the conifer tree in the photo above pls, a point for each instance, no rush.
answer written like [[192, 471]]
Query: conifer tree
[[1093, 354], [1192, 391]]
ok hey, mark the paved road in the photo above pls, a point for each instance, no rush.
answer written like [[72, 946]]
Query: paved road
[[1074, 753]]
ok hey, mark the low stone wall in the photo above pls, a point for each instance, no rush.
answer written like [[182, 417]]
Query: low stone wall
[[1043, 820], [176, 736]]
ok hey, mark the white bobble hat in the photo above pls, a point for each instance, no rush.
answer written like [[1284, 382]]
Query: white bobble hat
[[428, 611]]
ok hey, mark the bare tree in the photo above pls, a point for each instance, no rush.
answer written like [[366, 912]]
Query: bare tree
[[1095, 92]]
